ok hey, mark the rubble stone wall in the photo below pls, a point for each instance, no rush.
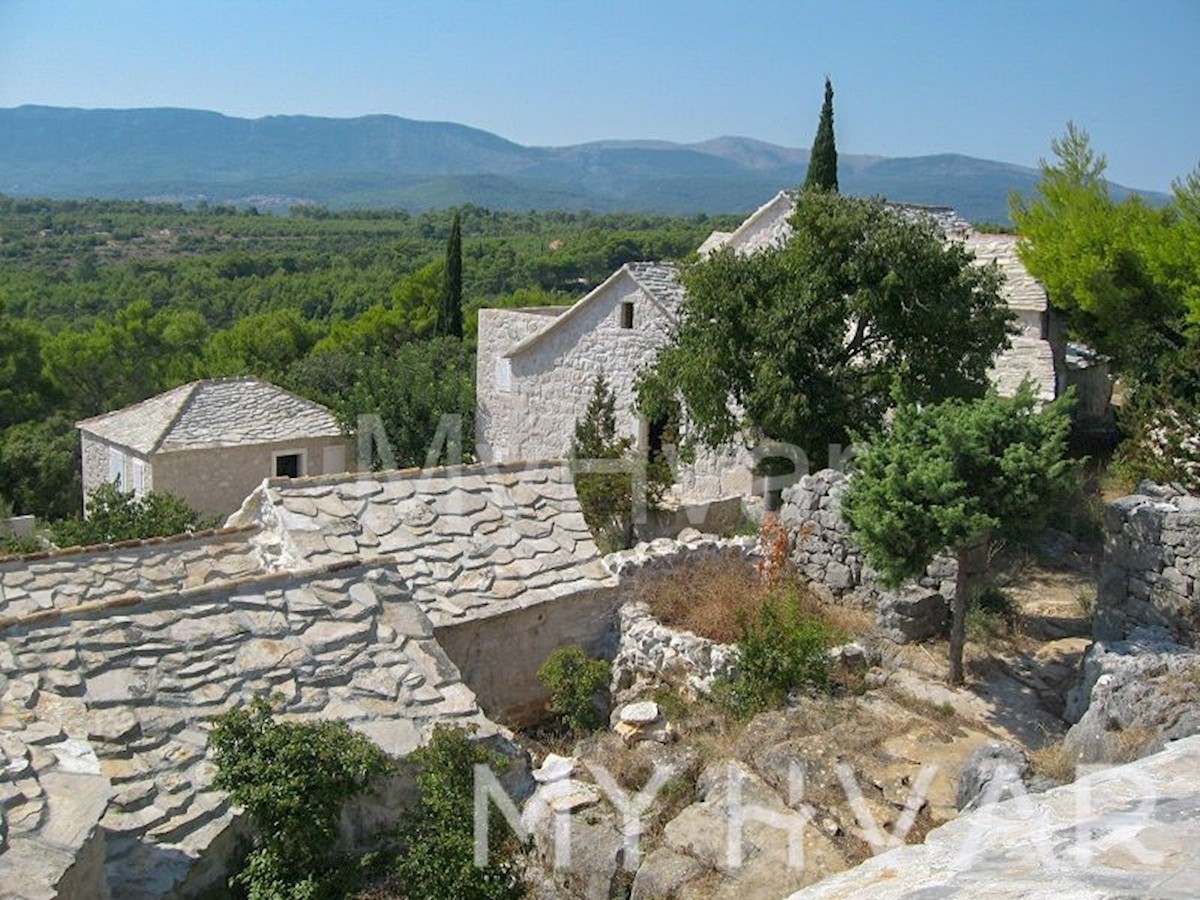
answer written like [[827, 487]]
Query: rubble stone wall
[[823, 552], [1151, 570]]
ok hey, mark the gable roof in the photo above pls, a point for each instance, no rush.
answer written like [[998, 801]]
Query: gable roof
[[221, 412], [658, 279], [1020, 289]]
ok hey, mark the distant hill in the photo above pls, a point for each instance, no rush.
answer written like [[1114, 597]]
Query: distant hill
[[385, 161]]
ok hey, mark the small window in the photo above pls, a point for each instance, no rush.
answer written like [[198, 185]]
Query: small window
[[627, 314], [503, 375], [289, 465]]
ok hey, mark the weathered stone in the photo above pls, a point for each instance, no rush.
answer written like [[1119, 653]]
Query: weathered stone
[[992, 773], [554, 768]]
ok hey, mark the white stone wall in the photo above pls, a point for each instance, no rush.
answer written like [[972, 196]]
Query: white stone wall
[[551, 382], [96, 452]]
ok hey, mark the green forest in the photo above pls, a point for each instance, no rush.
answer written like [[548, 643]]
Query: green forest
[[105, 303]]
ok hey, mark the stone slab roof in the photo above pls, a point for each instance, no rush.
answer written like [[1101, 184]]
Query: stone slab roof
[[68, 578], [470, 542], [1026, 358], [123, 691], [1021, 289], [223, 412]]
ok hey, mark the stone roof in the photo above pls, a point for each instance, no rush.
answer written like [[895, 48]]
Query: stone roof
[[124, 694], [42, 582], [659, 279], [1020, 289], [223, 412], [1026, 358], [470, 541]]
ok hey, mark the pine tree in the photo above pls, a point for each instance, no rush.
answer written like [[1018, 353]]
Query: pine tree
[[450, 317], [822, 162]]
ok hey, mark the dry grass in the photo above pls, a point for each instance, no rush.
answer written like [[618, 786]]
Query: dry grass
[[1054, 761], [1134, 743], [710, 598]]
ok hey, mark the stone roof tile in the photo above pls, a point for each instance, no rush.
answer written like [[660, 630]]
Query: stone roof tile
[[224, 412]]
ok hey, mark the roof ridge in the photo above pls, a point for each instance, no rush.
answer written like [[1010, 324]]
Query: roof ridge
[[190, 386], [414, 472], [82, 549], [309, 573]]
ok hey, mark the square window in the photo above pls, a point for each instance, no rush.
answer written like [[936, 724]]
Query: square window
[[289, 465]]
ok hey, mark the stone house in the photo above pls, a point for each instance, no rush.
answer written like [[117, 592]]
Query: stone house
[[211, 442], [536, 367]]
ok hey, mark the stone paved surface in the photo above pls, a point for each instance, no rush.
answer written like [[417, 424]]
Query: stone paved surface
[[470, 543], [87, 574], [1128, 831], [138, 684]]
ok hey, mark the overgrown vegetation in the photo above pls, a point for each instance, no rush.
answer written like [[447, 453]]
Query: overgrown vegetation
[[991, 615], [293, 779], [608, 472], [117, 515], [781, 648], [577, 687], [437, 833]]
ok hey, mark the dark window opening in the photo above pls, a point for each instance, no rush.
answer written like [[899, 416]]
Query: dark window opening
[[626, 315], [289, 465]]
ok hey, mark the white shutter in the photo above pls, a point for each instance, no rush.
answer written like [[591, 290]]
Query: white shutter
[[333, 459], [139, 477], [116, 467]]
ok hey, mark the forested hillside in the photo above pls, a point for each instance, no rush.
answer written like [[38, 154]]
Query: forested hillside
[[104, 303]]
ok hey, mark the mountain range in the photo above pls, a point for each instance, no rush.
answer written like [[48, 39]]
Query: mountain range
[[274, 162]]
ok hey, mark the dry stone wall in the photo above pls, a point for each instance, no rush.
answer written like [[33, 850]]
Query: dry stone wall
[[824, 552], [1151, 573], [649, 652]]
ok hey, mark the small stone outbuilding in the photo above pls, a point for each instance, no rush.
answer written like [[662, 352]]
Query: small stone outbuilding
[[212, 442]]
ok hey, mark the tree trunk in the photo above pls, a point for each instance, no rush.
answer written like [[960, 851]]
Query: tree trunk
[[958, 620], [972, 560]]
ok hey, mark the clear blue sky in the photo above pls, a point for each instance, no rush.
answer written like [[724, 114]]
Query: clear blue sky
[[997, 80]]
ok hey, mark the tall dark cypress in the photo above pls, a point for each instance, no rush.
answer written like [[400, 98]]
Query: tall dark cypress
[[822, 162], [450, 316]]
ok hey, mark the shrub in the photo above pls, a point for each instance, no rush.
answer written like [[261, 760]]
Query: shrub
[[781, 648], [991, 613], [575, 683], [292, 778], [116, 515], [438, 832]]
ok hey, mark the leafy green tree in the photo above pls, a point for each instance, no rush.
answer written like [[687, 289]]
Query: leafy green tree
[[412, 389], [116, 515], [1125, 274], [951, 477], [418, 299], [263, 345], [292, 778], [450, 312], [575, 683], [40, 467], [24, 392], [437, 862], [822, 161], [810, 342]]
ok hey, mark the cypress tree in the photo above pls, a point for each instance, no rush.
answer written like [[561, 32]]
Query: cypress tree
[[450, 317], [822, 162]]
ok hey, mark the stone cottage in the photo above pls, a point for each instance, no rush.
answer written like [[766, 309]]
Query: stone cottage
[[536, 367], [211, 442]]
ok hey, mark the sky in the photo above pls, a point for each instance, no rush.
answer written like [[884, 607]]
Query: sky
[[911, 77]]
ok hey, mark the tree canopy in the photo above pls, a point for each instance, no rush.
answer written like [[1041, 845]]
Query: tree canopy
[[812, 341], [822, 161], [951, 476]]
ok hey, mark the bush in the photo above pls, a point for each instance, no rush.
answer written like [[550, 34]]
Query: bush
[[293, 778], [116, 515], [991, 614], [438, 833], [782, 648], [575, 683]]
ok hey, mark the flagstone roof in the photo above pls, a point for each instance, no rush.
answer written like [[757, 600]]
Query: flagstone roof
[[223, 412]]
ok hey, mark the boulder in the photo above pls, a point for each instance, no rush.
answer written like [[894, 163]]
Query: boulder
[[990, 774]]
